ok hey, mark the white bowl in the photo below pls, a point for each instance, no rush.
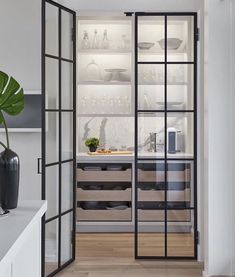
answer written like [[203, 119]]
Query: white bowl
[[172, 43], [145, 45]]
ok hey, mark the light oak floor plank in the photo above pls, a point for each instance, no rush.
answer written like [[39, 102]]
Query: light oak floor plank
[[111, 255]]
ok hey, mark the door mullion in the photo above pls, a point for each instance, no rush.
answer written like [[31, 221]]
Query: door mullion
[[60, 143]]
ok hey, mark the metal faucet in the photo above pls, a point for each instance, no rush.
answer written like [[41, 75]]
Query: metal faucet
[[152, 142]]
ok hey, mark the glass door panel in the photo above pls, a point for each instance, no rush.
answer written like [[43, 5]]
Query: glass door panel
[[52, 191], [58, 136], [151, 135], [151, 35], [67, 35], [165, 121], [180, 135], [180, 236], [180, 87], [180, 38], [151, 193], [151, 87], [51, 29], [51, 246]]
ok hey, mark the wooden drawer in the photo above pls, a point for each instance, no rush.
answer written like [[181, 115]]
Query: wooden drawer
[[104, 175], [158, 215], [159, 195], [103, 215], [103, 195], [159, 176]]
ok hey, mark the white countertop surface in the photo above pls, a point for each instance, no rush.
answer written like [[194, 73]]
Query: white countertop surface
[[84, 157], [15, 226]]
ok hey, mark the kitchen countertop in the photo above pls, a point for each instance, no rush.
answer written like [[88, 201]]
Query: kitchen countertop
[[16, 225], [84, 157]]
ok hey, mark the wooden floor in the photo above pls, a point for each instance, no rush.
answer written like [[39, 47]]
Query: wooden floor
[[111, 255]]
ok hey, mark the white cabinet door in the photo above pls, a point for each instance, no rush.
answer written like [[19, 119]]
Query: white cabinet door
[[27, 262]]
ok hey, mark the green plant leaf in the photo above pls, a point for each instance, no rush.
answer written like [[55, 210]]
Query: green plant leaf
[[11, 96]]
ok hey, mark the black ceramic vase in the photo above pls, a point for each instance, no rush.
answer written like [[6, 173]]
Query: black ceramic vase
[[9, 179]]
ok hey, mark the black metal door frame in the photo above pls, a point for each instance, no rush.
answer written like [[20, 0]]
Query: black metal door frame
[[165, 111], [72, 61]]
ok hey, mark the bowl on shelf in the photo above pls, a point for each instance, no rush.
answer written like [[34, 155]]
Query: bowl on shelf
[[172, 43], [145, 45]]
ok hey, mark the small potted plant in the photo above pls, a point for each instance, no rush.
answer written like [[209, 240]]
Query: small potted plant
[[92, 143]]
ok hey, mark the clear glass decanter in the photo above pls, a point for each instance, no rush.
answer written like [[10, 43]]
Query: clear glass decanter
[[105, 41], [95, 41], [85, 41]]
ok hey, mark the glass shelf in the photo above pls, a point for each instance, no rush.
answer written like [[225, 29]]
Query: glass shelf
[[104, 51], [103, 83]]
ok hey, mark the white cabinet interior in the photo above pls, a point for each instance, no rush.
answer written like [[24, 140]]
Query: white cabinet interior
[[106, 90]]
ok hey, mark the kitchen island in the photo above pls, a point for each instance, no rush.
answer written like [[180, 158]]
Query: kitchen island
[[20, 240]]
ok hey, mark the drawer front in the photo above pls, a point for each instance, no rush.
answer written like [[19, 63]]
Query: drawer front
[[103, 175], [103, 215], [159, 176], [158, 215], [104, 195], [159, 195]]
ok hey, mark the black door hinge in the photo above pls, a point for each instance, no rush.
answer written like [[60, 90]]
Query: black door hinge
[[198, 34], [197, 237], [128, 13]]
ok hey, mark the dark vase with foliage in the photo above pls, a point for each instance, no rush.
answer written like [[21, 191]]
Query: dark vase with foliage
[[11, 103]]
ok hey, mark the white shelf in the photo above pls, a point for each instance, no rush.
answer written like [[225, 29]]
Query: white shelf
[[104, 83], [162, 84], [104, 51], [161, 52], [106, 115]]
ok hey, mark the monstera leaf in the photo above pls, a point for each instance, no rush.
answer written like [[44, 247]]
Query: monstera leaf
[[11, 98]]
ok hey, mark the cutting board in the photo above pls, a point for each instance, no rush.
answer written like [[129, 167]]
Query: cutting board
[[111, 153]]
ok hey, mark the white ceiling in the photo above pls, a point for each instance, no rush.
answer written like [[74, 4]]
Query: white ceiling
[[133, 5]]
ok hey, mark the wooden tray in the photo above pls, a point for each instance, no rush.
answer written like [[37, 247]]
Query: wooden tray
[[111, 153]]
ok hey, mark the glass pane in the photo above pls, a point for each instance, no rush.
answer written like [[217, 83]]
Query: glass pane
[[180, 33], [151, 34], [180, 90], [180, 184], [151, 213], [67, 186], [66, 237], [151, 87], [52, 137], [66, 35], [151, 135], [180, 236], [180, 132], [51, 244], [67, 86], [52, 29], [67, 135], [52, 83], [52, 190]]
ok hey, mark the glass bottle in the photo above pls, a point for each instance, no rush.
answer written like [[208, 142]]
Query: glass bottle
[[105, 42], [85, 41], [95, 42]]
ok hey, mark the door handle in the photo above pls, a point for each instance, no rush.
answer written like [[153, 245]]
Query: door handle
[[39, 165]]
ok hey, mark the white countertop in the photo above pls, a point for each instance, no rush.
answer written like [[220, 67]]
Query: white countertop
[[84, 157], [14, 227]]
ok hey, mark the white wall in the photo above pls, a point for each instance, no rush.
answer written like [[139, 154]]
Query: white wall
[[219, 226], [20, 48]]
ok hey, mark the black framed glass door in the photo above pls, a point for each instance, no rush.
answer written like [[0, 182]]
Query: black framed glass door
[[166, 135], [58, 136]]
